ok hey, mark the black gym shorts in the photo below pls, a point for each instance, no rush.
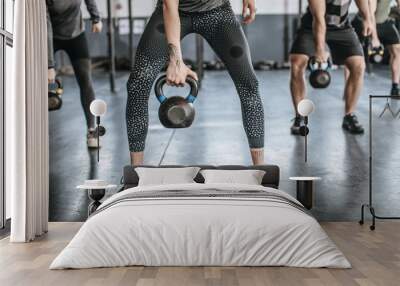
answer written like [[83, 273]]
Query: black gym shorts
[[388, 33], [342, 44], [76, 48]]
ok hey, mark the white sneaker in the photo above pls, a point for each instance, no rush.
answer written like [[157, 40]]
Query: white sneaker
[[92, 140]]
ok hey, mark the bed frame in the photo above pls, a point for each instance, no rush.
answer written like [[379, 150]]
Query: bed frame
[[270, 179]]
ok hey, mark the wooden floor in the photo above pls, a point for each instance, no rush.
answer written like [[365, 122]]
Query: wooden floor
[[375, 257]]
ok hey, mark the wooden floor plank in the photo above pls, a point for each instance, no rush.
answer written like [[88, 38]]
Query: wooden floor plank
[[375, 257]]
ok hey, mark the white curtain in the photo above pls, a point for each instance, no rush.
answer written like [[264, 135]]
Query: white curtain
[[27, 124]]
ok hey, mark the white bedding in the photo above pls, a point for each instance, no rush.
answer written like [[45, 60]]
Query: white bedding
[[202, 231]]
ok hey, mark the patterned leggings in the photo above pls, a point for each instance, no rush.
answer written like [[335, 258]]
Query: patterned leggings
[[220, 28]]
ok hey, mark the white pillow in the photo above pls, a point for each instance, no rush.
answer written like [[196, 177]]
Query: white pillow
[[166, 176], [248, 177]]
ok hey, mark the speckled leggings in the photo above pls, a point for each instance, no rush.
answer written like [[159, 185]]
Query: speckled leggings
[[223, 32]]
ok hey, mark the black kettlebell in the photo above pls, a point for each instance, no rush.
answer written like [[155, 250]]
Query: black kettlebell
[[319, 76], [176, 111], [54, 95], [375, 54]]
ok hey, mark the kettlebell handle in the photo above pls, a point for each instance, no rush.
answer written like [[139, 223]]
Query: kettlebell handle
[[368, 45], [162, 80], [313, 61]]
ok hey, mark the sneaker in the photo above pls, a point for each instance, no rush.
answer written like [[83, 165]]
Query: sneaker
[[351, 124], [295, 129], [92, 139], [395, 91]]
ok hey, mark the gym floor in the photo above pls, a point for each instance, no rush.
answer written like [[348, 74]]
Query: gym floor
[[217, 137]]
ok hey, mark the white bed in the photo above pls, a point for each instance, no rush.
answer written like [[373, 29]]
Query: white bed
[[224, 225]]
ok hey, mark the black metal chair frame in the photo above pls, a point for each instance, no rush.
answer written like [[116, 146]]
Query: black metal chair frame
[[369, 205]]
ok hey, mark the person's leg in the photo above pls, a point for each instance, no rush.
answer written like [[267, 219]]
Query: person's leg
[[394, 51], [389, 36], [78, 52], [353, 86], [225, 35], [298, 65], [346, 50], [151, 56], [83, 74], [354, 83], [302, 49]]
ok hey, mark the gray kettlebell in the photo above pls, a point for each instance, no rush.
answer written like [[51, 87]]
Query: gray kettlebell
[[176, 111]]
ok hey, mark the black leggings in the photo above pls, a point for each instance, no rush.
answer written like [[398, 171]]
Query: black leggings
[[223, 32], [78, 52]]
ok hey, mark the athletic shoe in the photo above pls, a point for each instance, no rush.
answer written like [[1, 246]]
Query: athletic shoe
[[295, 129], [351, 124], [92, 139], [395, 91]]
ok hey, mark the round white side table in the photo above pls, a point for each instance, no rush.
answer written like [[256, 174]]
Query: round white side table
[[96, 190], [305, 190]]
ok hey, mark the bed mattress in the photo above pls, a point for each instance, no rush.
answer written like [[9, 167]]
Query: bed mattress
[[201, 225]]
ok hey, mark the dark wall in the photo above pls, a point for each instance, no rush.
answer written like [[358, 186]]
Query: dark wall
[[269, 39]]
